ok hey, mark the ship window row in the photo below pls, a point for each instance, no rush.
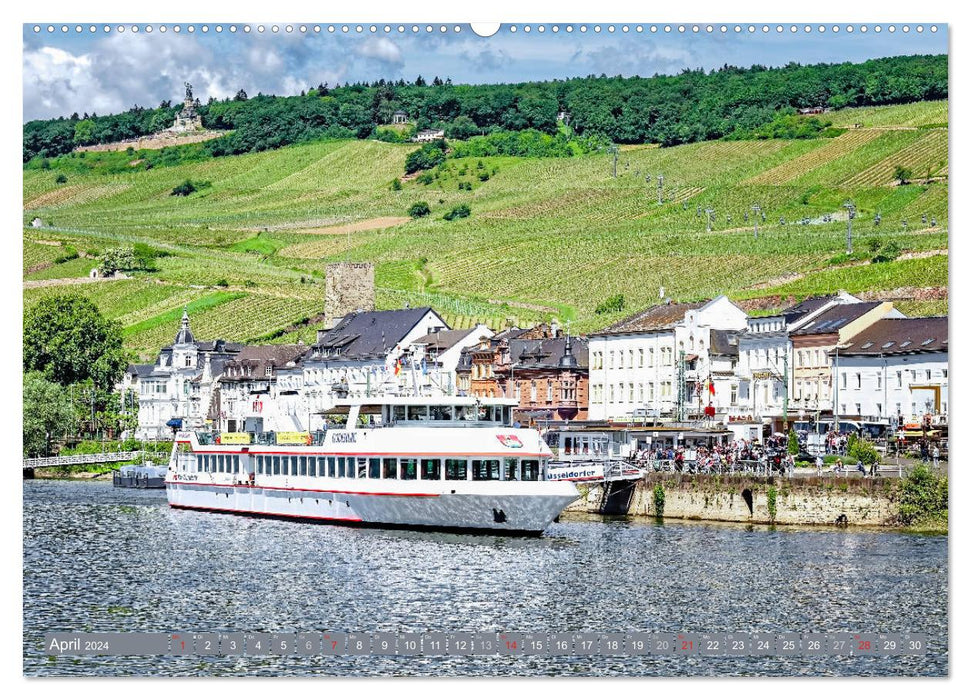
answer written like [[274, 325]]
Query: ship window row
[[404, 468], [492, 414], [407, 469], [217, 464]]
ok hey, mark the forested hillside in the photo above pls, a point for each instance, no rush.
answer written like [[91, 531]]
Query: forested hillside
[[668, 110]]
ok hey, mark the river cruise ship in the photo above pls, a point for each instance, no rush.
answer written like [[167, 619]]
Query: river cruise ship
[[450, 463]]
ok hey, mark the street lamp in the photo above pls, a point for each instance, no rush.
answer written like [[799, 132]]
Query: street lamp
[[512, 378], [836, 390]]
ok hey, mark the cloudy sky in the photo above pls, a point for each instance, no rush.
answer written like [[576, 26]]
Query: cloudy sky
[[103, 73]]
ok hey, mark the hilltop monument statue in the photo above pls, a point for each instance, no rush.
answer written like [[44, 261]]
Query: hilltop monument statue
[[187, 119]]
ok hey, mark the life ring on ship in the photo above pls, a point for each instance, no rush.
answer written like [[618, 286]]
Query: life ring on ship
[[308, 439], [219, 439]]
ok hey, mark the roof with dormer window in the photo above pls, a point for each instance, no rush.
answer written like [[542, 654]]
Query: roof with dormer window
[[899, 336]]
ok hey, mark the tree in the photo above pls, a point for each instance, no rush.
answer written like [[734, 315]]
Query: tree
[[84, 132], [793, 446], [459, 212], [117, 259], [889, 251], [68, 340], [611, 305], [923, 496], [183, 190], [461, 128], [159, 122], [902, 174], [426, 157], [47, 414], [862, 450], [418, 210]]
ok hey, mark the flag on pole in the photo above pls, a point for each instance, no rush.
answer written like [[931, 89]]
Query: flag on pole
[[711, 386], [397, 367]]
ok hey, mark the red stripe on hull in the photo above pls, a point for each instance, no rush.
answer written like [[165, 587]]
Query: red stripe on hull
[[357, 522]]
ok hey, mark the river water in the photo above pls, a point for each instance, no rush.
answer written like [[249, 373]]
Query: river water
[[101, 559]]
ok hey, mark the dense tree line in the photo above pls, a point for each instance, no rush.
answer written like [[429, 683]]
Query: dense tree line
[[54, 137], [72, 359], [693, 106]]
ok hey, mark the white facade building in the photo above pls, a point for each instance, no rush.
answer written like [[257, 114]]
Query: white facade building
[[896, 369], [365, 354], [634, 364], [176, 392], [253, 396], [815, 356], [765, 358], [438, 355]]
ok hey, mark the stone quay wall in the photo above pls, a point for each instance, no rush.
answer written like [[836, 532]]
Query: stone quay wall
[[745, 499]]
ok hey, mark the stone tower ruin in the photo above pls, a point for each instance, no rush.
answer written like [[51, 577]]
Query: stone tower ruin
[[349, 287]]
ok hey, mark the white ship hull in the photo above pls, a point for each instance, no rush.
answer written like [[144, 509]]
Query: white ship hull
[[265, 480], [462, 506]]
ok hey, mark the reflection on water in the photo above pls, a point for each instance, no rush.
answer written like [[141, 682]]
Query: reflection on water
[[118, 560]]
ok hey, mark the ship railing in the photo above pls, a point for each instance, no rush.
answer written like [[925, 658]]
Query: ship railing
[[621, 469], [432, 423]]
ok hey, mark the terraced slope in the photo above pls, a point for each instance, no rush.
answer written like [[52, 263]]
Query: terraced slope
[[546, 236]]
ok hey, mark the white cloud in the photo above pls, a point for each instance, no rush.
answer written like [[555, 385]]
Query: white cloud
[[381, 49], [116, 72], [264, 60], [54, 78]]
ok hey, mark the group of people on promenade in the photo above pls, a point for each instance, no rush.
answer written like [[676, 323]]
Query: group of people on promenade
[[738, 456]]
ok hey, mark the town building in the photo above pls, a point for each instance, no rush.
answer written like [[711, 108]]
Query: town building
[[764, 373], [427, 135], [721, 392], [364, 354], [249, 395], [476, 371], [658, 362], [548, 375], [895, 369], [177, 390], [813, 367], [438, 355]]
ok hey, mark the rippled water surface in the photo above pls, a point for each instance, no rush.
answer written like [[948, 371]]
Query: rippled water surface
[[118, 560]]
